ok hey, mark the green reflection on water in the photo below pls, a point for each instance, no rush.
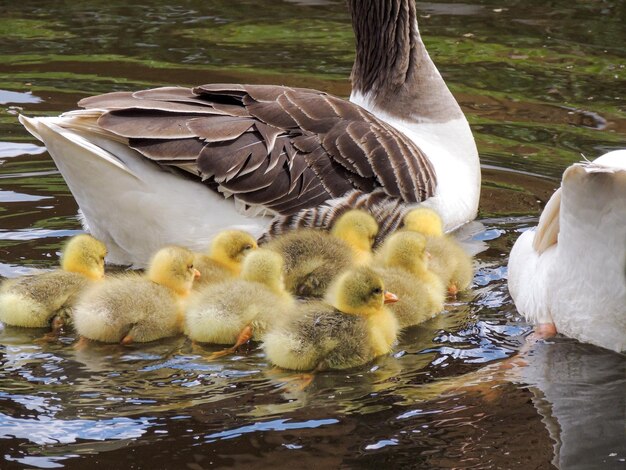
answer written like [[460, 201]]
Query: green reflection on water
[[20, 29]]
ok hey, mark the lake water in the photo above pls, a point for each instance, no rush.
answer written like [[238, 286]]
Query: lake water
[[541, 83]]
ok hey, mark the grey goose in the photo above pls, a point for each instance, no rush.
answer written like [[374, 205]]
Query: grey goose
[[178, 165]]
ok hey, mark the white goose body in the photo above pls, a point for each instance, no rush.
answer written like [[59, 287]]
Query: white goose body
[[176, 165], [571, 270], [132, 205]]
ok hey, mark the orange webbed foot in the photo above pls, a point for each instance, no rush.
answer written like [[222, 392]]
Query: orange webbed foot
[[542, 331], [296, 382], [222, 353], [81, 344], [53, 335], [244, 336], [453, 290], [299, 382]]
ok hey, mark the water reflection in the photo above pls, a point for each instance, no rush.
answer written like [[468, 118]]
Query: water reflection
[[47, 430], [539, 85], [573, 386]]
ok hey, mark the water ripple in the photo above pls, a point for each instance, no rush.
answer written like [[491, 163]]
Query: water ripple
[[275, 425], [47, 430]]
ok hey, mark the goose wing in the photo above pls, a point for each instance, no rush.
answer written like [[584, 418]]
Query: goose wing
[[274, 147], [548, 228]]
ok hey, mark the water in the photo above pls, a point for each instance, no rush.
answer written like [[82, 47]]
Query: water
[[540, 82]]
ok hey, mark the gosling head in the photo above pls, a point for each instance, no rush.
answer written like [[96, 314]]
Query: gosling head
[[230, 248], [266, 267], [359, 291], [357, 228], [172, 267], [85, 255], [406, 250], [425, 221]]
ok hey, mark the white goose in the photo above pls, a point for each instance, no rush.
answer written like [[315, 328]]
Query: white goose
[[177, 165], [571, 271]]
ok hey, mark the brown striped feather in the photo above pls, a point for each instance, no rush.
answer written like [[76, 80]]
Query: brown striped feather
[[219, 128], [128, 101], [140, 124], [175, 149], [269, 134], [170, 93]]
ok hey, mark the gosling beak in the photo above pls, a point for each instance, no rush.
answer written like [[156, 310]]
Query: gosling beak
[[196, 274], [428, 256], [390, 298]]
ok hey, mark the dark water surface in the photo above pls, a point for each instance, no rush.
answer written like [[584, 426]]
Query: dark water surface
[[541, 82]]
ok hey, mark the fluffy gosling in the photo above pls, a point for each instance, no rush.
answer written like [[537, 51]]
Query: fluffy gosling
[[350, 328], [402, 262], [358, 229], [224, 258], [237, 310], [449, 261], [35, 301], [139, 308], [314, 258]]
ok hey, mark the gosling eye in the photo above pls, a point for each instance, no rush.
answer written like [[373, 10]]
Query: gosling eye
[[190, 267], [377, 291], [247, 247]]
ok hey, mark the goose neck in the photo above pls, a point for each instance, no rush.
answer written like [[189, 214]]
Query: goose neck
[[392, 71]]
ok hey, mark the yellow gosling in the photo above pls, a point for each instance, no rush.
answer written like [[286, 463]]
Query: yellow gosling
[[35, 301], [313, 259], [350, 328], [402, 262], [358, 229], [139, 308], [449, 261], [224, 258], [237, 310]]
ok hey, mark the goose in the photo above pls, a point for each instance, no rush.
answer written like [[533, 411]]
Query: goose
[[569, 274], [179, 165]]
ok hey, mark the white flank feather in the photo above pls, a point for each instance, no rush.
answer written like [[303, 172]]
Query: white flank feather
[[113, 185]]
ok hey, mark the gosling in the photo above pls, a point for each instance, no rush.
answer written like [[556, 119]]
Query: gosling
[[449, 261], [237, 310], [139, 308], [38, 300], [224, 258], [350, 328], [314, 258], [402, 262]]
